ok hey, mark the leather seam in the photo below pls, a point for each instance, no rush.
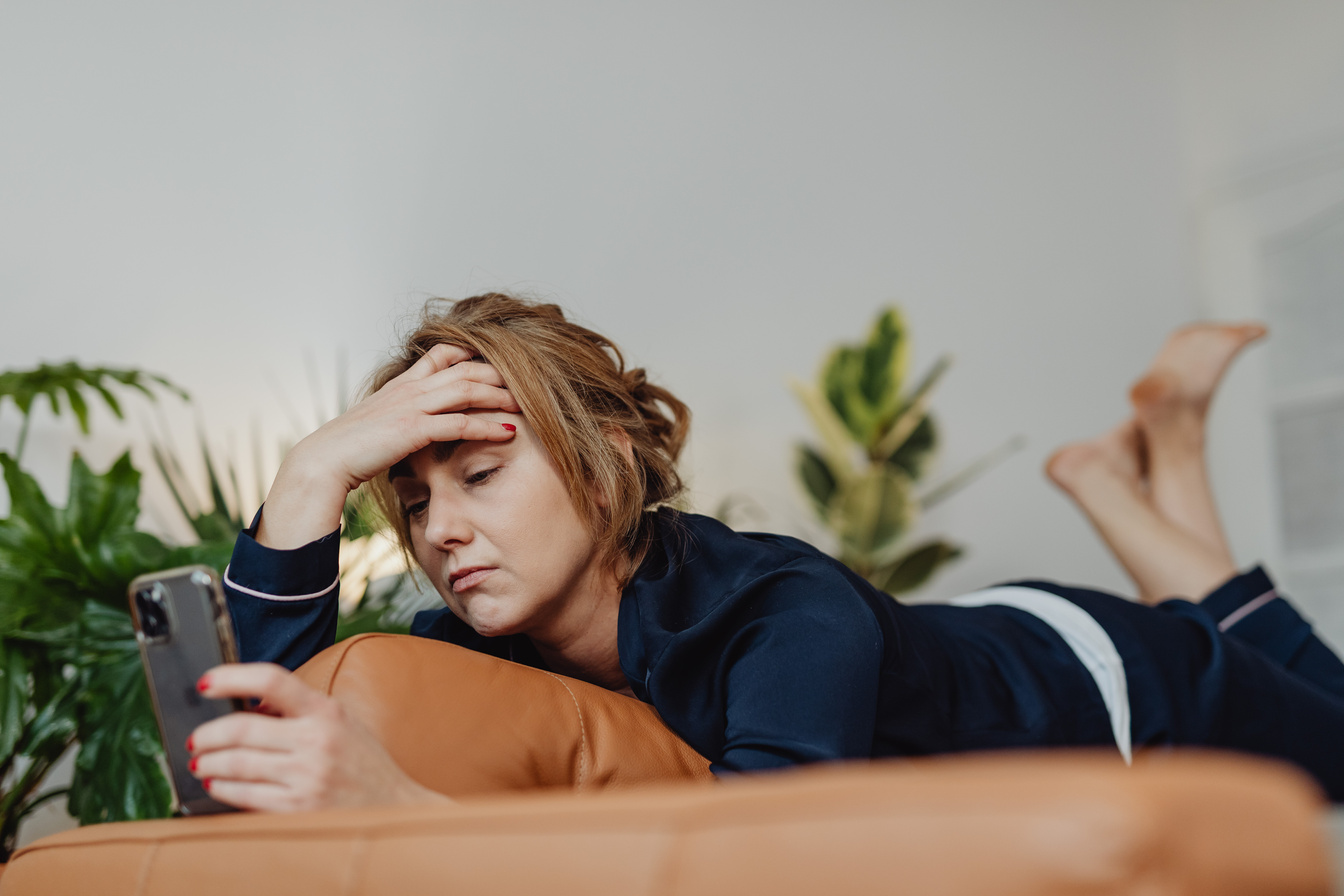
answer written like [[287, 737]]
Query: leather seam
[[340, 661], [583, 733], [145, 865]]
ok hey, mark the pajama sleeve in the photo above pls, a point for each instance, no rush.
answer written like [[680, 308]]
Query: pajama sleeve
[[283, 603]]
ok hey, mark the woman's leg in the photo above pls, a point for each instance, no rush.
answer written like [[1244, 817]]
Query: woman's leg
[[1144, 486], [1171, 404], [1104, 477]]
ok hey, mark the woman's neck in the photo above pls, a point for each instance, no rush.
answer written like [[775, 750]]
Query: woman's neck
[[583, 643]]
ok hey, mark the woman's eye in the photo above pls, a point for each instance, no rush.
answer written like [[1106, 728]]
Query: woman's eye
[[480, 476], [416, 510]]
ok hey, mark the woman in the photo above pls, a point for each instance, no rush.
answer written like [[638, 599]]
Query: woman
[[527, 472]]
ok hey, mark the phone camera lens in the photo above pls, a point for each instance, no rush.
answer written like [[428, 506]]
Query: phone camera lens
[[153, 611]]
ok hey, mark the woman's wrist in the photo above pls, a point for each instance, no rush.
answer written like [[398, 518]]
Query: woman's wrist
[[305, 503]]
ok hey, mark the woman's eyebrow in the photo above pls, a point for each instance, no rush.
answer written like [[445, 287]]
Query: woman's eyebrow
[[441, 452]]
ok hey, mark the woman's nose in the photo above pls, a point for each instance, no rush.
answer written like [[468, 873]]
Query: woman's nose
[[446, 526]]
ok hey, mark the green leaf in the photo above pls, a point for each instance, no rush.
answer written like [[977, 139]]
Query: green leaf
[[915, 568], [13, 697], [885, 358], [818, 480], [835, 441], [863, 382], [78, 407], [915, 453], [29, 509], [104, 505], [117, 774], [948, 487], [910, 414], [23, 387], [873, 511], [840, 382]]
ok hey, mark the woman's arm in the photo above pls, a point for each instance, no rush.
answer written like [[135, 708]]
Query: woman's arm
[[282, 581], [419, 407]]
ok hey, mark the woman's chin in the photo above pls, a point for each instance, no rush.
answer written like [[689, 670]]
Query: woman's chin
[[493, 626]]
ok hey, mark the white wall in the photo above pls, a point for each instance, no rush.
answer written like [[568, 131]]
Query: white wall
[[1263, 142], [219, 192], [727, 189]]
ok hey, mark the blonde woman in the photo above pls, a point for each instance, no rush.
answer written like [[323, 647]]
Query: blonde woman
[[530, 475]]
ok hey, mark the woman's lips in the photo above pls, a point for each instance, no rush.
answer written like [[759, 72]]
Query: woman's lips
[[471, 578]]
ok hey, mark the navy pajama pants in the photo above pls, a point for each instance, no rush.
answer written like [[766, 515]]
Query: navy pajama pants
[[1241, 670]]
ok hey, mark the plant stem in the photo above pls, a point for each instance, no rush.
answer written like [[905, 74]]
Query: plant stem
[[23, 437], [12, 805]]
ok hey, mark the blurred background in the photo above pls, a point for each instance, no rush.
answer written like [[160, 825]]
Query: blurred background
[[253, 199]]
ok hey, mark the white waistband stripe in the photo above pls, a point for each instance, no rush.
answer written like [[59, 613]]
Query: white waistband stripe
[[1085, 637]]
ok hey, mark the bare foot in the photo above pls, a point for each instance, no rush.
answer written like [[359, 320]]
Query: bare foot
[[1171, 403], [1104, 477], [1186, 372], [1117, 454]]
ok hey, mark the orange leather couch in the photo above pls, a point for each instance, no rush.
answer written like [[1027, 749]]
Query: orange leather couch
[[566, 788]]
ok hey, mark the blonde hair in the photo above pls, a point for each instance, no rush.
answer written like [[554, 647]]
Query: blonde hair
[[583, 404]]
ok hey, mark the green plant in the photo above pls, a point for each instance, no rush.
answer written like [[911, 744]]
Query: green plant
[[52, 381], [70, 673], [69, 668], [877, 442]]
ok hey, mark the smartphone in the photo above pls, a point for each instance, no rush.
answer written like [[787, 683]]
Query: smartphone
[[183, 628]]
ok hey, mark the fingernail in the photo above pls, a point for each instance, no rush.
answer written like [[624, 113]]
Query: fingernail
[[203, 682], [207, 782], [189, 740], [509, 426], [193, 763]]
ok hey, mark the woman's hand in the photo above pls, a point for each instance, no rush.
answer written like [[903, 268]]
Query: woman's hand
[[298, 751], [425, 404]]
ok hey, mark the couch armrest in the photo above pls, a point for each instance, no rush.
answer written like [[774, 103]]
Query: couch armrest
[[461, 723], [1044, 824]]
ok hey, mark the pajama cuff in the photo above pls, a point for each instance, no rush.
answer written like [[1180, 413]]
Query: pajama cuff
[[302, 573], [1249, 606], [1239, 597]]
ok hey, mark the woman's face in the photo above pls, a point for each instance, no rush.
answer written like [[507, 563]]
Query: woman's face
[[493, 526]]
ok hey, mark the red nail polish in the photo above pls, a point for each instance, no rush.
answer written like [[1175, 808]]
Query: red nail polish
[[207, 782], [193, 763], [203, 682], [509, 426], [189, 740]]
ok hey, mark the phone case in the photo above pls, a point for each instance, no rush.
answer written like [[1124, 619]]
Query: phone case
[[183, 628]]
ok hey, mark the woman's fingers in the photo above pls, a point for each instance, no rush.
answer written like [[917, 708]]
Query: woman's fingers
[[467, 428], [463, 394], [438, 358], [308, 755], [278, 689], [257, 796]]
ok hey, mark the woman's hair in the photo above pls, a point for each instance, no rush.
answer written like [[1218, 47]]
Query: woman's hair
[[584, 405]]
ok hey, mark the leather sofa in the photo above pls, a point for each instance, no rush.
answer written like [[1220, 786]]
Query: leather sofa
[[565, 788]]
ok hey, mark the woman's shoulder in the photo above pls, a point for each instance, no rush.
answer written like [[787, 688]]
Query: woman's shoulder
[[693, 542], [698, 568]]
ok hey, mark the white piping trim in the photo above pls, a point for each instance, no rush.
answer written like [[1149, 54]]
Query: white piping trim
[[1084, 636], [264, 596], [1246, 609]]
